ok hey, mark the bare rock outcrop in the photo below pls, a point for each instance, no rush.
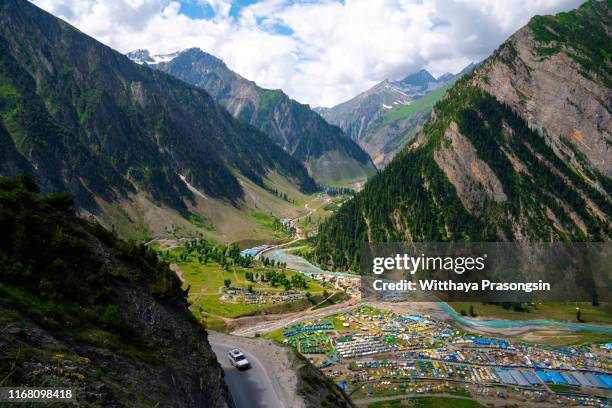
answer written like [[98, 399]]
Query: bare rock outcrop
[[571, 110]]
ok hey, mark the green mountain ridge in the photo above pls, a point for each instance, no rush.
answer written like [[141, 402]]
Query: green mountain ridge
[[488, 167], [325, 150], [79, 116]]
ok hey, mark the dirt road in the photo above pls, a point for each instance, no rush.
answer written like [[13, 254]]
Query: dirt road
[[267, 326]]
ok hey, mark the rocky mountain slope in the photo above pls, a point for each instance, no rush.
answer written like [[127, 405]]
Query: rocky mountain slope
[[385, 117], [519, 150], [79, 116], [82, 309], [326, 152], [317, 389]]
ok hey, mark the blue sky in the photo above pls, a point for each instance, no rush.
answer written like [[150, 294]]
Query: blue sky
[[196, 11], [320, 52], [204, 10]]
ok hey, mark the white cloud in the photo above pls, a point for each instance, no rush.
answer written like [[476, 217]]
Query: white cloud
[[327, 51]]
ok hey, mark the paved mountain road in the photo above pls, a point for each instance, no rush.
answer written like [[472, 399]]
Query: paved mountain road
[[251, 388]]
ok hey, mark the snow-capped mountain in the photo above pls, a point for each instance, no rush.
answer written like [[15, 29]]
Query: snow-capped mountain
[[379, 120], [145, 57]]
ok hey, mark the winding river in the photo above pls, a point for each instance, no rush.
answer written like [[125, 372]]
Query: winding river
[[300, 264]]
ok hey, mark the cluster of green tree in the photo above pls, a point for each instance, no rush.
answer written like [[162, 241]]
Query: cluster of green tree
[[285, 226], [274, 278], [200, 221], [516, 306], [412, 198], [472, 313], [582, 33], [282, 195], [53, 269], [271, 262], [203, 251], [332, 207], [337, 191]]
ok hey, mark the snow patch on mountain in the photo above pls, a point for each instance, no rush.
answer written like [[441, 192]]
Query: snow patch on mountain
[[145, 57]]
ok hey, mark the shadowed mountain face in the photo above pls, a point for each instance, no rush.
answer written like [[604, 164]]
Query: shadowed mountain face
[[387, 116], [81, 309], [519, 151], [79, 116], [325, 151]]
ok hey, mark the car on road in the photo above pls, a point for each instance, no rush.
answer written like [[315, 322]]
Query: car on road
[[238, 360]]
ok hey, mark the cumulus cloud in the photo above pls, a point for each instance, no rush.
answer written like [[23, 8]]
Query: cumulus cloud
[[320, 52]]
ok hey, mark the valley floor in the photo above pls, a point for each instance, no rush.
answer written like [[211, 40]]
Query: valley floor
[[544, 334], [274, 379]]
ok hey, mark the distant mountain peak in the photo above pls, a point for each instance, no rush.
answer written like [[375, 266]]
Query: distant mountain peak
[[445, 77], [193, 54], [197, 54], [419, 78], [140, 56], [143, 56]]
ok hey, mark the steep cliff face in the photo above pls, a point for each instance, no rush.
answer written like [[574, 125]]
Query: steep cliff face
[[325, 151], [520, 150], [319, 390], [81, 309], [555, 74]]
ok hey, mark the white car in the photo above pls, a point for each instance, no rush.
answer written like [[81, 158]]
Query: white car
[[238, 360]]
